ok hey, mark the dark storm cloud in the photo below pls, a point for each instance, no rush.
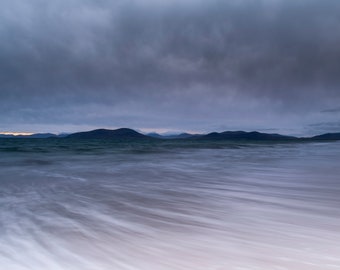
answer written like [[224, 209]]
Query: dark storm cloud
[[176, 64]]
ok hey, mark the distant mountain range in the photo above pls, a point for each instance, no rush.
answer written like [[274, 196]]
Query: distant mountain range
[[130, 134], [173, 136], [117, 134], [242, 135], [34, 136], [327, 136]]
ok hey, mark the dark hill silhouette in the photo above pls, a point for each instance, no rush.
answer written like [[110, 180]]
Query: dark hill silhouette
[[327, 136], [243, 135], [42, 135], [130, 134], [117, 134]]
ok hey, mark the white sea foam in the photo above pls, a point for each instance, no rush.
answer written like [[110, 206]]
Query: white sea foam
[[261, 207]]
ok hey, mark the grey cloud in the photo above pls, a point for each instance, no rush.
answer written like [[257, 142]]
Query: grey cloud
[[324, 127], [144, 63], [333, 110]]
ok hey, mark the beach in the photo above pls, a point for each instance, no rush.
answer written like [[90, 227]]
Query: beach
[[169, 205]]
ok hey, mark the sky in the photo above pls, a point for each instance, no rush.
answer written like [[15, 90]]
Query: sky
[[166, 66]]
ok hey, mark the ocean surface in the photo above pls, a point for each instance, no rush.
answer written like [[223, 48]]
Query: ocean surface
[[172, 205]]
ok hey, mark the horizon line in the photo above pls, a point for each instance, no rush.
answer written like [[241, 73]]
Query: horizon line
[[164, 133]]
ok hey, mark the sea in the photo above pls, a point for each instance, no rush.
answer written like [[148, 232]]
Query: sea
[[169, 205]]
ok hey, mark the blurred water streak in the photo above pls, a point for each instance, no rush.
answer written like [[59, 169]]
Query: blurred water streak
[[169, 206]]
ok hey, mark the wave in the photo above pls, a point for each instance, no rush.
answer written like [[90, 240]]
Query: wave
[[120, 208]]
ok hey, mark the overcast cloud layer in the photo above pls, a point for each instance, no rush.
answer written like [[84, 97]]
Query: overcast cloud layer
[[68, 65]]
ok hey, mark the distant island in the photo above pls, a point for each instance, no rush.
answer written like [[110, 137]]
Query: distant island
[[121, 133], [130, 134]]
